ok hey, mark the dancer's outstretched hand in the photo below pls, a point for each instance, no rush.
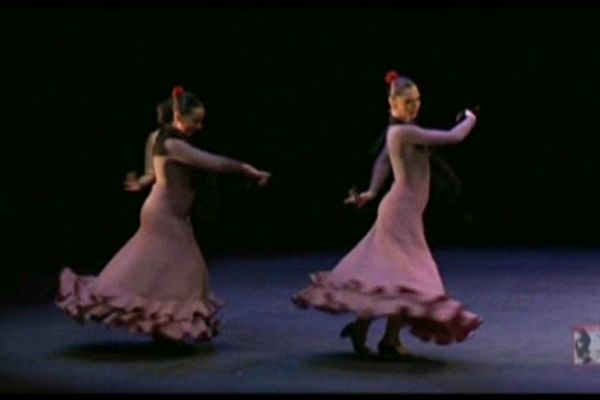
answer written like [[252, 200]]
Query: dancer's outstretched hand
[[359, 200], [470, 114], [261, 177], [264, 178], [132, 183]]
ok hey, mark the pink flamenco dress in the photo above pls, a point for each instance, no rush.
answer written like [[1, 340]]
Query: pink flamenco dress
[[391, 271], [157, 283]]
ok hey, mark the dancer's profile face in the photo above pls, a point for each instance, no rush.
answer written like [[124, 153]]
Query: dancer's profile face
[[191, 122], [406, 105]]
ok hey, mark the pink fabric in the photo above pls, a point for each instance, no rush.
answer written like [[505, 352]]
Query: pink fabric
[[157, 283], [391, 270]]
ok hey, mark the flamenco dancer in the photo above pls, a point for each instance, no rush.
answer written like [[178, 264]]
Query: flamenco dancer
[[157, 284], [391, 273]]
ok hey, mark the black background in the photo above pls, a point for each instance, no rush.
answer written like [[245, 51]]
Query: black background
[[298, 91]]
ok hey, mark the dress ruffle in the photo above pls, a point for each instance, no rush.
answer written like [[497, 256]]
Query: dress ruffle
[[192, 320], [432, 317]]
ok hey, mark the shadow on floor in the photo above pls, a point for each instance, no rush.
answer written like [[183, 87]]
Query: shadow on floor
[[137, 351], [375, 364]]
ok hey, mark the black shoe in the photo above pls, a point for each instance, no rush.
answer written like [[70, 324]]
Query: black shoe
[[394, 352], [358, 343]]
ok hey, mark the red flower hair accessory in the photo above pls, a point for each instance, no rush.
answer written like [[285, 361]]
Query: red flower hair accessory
[[178, 91], [391, 77]]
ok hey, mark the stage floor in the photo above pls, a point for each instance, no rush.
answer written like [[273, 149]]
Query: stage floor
[[530, 301]]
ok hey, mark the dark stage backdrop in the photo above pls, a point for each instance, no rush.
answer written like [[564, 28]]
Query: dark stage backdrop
[[300, 92]]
